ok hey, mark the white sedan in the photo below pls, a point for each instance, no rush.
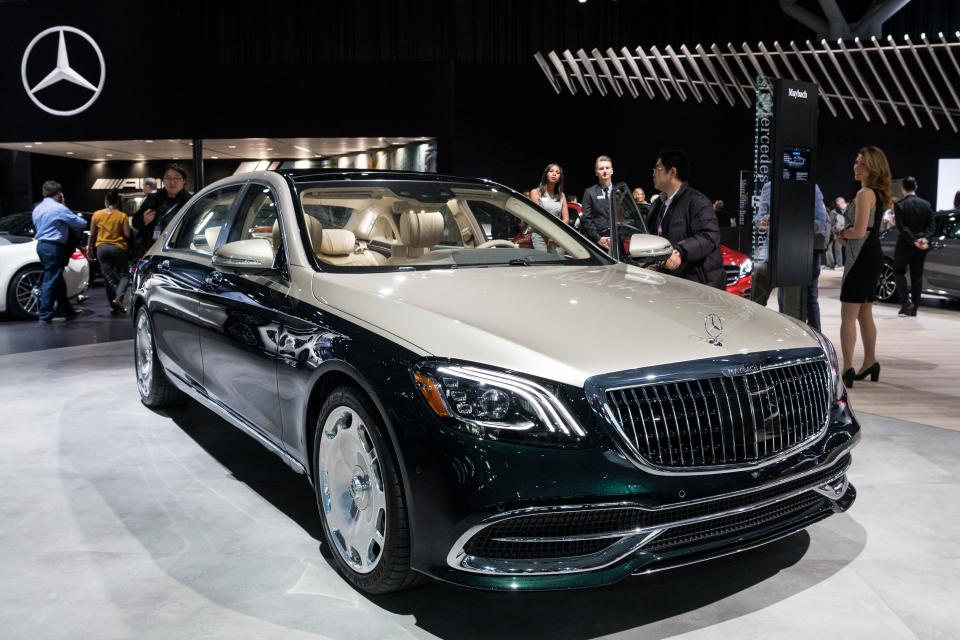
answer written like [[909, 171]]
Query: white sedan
[[21, 274]]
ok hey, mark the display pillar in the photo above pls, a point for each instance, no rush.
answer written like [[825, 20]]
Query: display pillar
[[783, 192]]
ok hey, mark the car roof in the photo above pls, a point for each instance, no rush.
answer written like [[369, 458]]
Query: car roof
[[335, 175]]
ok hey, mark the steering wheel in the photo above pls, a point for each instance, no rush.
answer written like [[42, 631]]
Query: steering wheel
[[489, 244]]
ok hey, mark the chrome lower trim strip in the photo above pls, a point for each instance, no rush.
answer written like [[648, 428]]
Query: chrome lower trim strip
[[458, 559], [550, 566], [723, 554], [235, 419], [826, 489]]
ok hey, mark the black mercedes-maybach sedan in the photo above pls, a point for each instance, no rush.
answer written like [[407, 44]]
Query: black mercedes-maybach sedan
[[382, 334]]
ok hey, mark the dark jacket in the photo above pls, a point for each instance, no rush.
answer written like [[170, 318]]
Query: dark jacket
[[691, 226], [165, 207], [595, 217], [914, 218]]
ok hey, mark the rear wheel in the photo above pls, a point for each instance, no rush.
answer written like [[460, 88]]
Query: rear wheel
[[23, 294], [360, 495], [887, 283], [155, 388]]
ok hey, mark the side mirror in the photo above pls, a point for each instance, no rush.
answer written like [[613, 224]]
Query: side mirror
[[245, 255], [649, 249]]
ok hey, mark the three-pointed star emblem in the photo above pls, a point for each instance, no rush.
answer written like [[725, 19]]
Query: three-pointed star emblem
[[62, 71]]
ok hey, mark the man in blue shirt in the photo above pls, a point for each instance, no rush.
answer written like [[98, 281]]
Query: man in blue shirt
[[52, 222]]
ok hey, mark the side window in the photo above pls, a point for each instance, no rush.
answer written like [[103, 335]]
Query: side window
[[257, 217], [201, 225]]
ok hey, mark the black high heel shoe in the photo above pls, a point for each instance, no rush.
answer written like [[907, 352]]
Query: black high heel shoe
[[848, 377], [873, 372]]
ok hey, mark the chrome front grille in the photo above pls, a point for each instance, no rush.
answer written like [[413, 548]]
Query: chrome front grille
[[732, 272], [723, 420]]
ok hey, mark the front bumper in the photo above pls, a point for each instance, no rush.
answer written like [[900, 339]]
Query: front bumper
[[511, 517]]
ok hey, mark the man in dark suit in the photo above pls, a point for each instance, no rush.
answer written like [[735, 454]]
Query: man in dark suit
[[597, 200], [687, 219], [915, 224]]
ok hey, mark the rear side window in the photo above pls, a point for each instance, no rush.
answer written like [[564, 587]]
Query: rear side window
[[201, 224]]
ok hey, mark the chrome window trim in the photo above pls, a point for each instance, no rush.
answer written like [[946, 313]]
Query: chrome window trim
[[597, 388], [634, 540]]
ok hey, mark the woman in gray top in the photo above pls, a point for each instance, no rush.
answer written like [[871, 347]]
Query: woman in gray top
[[549, 195]]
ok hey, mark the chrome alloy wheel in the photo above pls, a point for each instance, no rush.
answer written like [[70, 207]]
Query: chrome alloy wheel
[[143, 346], [351, 490], [28, 291], [886, 283]]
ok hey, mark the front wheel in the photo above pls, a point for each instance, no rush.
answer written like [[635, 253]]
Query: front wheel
[[360, 495], [887, 283]]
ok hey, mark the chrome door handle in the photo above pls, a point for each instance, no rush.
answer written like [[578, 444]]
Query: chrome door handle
[[214, 280]]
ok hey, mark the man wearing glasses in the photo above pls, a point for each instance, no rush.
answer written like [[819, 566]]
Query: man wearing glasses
[[158, 208], [687, 219]]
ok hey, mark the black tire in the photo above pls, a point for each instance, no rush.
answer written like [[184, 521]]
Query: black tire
[[155, 388], [391, 571], [886, 283], [23, 298]]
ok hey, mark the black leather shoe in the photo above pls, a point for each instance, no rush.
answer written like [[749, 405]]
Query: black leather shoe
[[913, 311], [905, 310], [848, 377], [873, 371]]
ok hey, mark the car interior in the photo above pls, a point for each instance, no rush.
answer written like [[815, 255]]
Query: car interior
[[377, 227]]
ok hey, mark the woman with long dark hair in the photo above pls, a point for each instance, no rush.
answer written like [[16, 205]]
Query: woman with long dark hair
[[549, 195], [864, 261]]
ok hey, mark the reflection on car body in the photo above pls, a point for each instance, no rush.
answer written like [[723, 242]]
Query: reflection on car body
[[390, 341]]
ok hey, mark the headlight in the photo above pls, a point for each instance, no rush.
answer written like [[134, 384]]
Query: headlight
[[746, 268], [836, 382], [496, 405]]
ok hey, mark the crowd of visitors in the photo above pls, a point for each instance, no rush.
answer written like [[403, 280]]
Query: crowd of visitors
[[115, 239]]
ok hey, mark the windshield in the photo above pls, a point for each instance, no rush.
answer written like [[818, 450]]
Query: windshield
[[391, 225], [16, 223]]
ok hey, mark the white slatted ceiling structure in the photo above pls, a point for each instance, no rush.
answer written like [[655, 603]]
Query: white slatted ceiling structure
[[880, 79]]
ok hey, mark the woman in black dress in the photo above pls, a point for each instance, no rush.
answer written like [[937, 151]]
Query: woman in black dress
[[864, 260]]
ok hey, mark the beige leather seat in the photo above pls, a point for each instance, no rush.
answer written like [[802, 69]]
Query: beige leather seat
[[211, 234], [364, 233], [337, 246], [419, 232]]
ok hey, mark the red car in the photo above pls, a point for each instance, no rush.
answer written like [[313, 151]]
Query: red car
[[737, 266]]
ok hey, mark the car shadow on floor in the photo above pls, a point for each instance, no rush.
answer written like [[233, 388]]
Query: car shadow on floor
[[663, 604], [251, 464]]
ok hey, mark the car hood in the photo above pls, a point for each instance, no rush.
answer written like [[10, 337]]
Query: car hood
[[561, 323]]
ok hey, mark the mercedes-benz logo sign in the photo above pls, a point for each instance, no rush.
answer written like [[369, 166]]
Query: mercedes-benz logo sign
[[713, 324], [62, 71]]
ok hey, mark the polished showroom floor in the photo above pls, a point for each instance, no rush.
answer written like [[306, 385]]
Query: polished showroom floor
[[119, 522]]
